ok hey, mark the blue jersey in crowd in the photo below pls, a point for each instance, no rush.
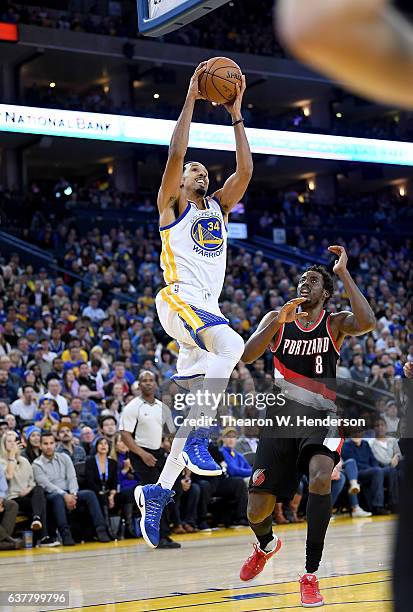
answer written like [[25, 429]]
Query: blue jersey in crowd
[[237, 464]]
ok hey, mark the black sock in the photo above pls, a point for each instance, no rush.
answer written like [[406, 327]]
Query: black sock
[[263, 531], [318, 516]]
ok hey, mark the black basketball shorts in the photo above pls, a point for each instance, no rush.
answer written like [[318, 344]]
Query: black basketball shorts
[[282, 459]]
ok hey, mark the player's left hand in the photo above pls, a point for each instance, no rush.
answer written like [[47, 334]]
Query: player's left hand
[[234, 107], [340, 264]]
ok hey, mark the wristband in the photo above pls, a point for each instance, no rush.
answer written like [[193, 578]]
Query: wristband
[[12, 460], [237, 122]]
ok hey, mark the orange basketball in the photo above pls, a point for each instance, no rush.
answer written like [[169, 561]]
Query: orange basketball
[[218, 83]]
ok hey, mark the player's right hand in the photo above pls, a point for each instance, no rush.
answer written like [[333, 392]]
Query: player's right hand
[[288, 312], [193, 91], [148, 459]]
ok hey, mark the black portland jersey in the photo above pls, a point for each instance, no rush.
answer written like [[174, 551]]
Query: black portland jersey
[[305, 361]]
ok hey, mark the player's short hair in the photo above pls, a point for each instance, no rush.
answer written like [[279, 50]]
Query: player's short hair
[[327, 279]]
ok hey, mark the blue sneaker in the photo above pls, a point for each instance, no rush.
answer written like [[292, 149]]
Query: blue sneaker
[[195, 455], [151, 500]]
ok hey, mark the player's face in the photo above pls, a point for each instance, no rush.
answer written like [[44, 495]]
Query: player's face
[[195, 179], [311, 287]]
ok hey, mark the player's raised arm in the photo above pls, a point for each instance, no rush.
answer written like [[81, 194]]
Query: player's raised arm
[[361, 320], [367, 45], [258, 343], [236, 185], [169, 189]]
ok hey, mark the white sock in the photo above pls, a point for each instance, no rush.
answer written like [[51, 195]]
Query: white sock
[[173, 467], [271, 545]]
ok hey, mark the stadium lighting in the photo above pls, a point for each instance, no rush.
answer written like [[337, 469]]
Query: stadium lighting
[[158, 132]]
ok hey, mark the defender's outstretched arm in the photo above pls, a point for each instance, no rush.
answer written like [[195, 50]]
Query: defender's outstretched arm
[[362, 319]]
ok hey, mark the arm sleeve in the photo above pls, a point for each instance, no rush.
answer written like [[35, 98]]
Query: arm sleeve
[[129, 417], [345, 452], [233, 467], [90, 475], [41, 478], [245, 466], [372, 459], [99, 384], [64, 411], [113, 474], [3, 484], [14, 409], [30, 480], [71, 475], [396, 449]]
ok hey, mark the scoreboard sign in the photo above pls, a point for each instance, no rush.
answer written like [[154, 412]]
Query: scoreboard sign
[[158, 17]]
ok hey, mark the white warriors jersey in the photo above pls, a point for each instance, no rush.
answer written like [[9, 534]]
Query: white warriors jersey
[[194, 252]]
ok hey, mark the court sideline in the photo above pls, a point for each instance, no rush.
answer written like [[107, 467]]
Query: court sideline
[[203, 574]]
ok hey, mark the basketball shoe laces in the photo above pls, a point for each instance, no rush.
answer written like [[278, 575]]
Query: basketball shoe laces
[[310, 587], [154, 507], [198, 442], [256, 556]]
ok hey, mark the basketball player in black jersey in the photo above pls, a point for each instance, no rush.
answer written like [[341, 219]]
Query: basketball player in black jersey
[[367, 45], [305, 340]]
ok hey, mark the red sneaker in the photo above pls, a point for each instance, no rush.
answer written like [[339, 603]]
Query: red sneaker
[[310, 593], [256, 561]]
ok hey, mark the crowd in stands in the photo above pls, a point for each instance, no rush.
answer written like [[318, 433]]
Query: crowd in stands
[[72, 345], [305, 212], [236, 27]]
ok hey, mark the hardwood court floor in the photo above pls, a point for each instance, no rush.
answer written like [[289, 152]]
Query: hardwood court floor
[[203, 574]]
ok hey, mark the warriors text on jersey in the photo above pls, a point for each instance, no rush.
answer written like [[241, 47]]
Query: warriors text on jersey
[[305, 361], [194, 252]]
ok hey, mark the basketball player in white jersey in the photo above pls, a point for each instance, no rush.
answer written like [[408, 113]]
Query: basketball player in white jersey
[[193, 228]]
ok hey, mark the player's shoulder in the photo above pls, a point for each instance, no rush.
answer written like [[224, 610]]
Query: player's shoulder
[[133, 406], [215, 199], [338, 316], [336, 320]]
